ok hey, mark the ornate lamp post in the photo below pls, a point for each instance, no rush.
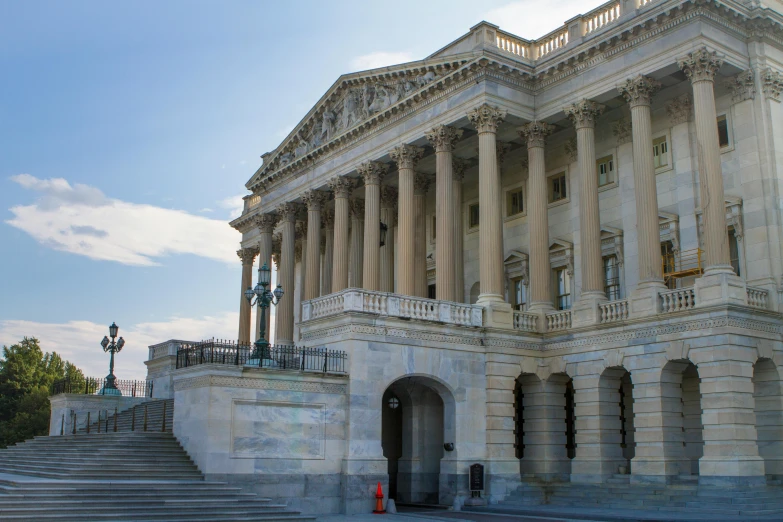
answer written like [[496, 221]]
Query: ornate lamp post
[[109, 387], [263, 298]]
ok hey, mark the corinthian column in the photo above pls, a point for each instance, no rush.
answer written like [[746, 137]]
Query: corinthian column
[[388, 203], [284, 326], [342, 187], [327, 218], [372, 172], [460, 166], [583, 115], [266, 225], [486, 120], [420, 186], [357, 244], [444, 138], [535, 133], [247, 255], [314, 200], [406, 157]]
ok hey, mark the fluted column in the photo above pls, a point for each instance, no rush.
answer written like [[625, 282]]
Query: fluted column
[[327, 218], [420, 186], [443, 139], [300, 253], [314, 200], [372, 172], [342, 187], [491, 272], [583, 115], [277, 245], [247, 255], [388, 204], [459, 167], [266, 225], [535, 134], [285, 310], [406, 157], [357, 244]]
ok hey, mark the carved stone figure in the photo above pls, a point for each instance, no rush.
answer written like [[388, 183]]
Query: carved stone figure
[[351, 109], [327, 125]]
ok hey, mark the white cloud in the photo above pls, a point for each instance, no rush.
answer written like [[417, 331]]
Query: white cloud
[[379, 59], [206, 209], [81, 220], [234, 204], [527, 18]]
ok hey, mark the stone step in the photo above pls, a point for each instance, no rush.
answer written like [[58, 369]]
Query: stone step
[[172, 517]]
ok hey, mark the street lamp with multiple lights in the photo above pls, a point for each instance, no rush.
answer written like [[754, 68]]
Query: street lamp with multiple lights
[[109, 387], [261, 296]]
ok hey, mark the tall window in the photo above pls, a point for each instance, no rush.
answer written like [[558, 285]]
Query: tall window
[[557, 187], [431, 291], [611, 278], [563, 289], [473, 215], [519, 294], [660, 152], [667, 255], [514, 203], [605, 167], [723, 131], [734, 251]]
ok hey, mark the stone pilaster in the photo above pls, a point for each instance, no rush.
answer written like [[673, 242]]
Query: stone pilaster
[[420, 186], [502, 468], [638, 92], [537, 214], [444, 138], [544, 402], [342, 188], [719, 284], [314, 200], [284, 325], [491, 271], [583, 114], [459, 167], [388, 205], [406, 157], [372, 172], [266, 224], [327, 218], [247, 255], [356, 265]]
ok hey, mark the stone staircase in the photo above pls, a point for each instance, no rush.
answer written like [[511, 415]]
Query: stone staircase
[[122, 476], [133, 419]]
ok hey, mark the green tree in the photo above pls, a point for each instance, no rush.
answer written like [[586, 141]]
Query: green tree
[[26, 377]]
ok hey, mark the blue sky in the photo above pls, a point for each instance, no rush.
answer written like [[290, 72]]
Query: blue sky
[[128, 130]]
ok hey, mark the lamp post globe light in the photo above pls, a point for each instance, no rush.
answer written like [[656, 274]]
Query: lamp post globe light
[[110, 387], [261, 296]]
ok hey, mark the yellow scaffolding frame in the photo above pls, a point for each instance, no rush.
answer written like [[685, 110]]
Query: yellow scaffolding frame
[[677, 265]]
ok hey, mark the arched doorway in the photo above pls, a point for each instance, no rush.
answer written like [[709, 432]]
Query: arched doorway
[[681, 387], [769, 416], [617, 418], [417, 420]]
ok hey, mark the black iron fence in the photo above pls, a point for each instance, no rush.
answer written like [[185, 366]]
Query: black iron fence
[[97, 386], [280, 357]]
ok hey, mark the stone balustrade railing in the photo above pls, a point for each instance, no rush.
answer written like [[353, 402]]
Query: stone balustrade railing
[[614, 311], [601, 17], [250, 203], [393, 305], [512, 44], [552, 42], [525, 321], [757, 297], [678, 300], [560, 320]]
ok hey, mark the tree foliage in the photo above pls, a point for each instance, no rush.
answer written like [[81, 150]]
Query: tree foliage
[[26, 376]]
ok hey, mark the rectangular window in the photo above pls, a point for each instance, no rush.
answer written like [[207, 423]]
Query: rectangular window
[[660, 152], [514, 204], [605, 168], [473, 215], [723, 131], [557, 187], [562, 289], [431, 292], [519, 294], [734, 251], [611, 278], [668, 259]]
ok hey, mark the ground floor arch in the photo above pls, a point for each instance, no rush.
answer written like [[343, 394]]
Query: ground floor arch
[[682, 414], [768, 407]]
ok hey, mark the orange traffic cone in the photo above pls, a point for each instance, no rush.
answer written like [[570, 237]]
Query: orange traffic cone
[[379, 501]]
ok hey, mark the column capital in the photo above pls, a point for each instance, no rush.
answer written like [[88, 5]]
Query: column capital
[[742, 86], [584, 113], [420, 184], [701, 65], [444, 138], [287, 212], [247, 255], [266, 222], [535, 132], [301, 229], [502, 149], [486, 118], [327, 219], [357, 208], [342, 186], [277, 246], [458, 168], [372, 172], [388, 197], [772, 83], [639, 90], [680, 109], [406, 156], [314, 199]]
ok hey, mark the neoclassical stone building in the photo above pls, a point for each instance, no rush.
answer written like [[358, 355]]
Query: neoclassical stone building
[[560, 258]]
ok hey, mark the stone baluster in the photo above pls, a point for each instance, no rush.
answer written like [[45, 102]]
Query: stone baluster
[[357, 244], [388, 204], [460, 166], [266, 224], [327, 218], [491, 271], [372, 172], [247, 255], [406, 157], [314, 200], [420, 186], [342, 188], [284, 326]]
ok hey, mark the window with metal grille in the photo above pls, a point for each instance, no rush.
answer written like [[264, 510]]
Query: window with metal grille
[[557, 187], [611, 278], [514, 202], [562, 289], [518, 294]]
